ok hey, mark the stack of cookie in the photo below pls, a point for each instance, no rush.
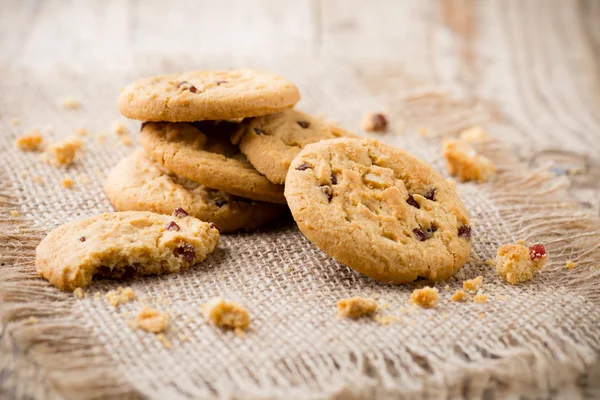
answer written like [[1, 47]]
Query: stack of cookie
[[217, 144]]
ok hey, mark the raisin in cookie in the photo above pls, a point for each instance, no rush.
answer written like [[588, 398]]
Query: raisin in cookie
[[207, 157], [139, 184], [207, 95], [120, 244], [272, 141], [378, 210]]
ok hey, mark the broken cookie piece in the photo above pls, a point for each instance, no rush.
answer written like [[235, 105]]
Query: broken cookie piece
[[30, 142], [63, 154], [516, 263], [151, 320], [226, 314], [426, 297], [356, 307], [122, 244], [465, 163], [472, 285], [459, 295]]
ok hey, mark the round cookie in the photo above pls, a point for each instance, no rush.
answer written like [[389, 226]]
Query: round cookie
[[207, 95], [378, 210], [208, 159], [272, 141], [121, 244], [139, 184]]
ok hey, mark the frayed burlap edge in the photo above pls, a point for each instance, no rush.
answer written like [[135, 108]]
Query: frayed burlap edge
[[55, 357]]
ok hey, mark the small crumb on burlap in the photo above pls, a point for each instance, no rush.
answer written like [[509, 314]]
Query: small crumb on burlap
[[30, 142], [459, 295], [375, 122], [490, 263], [78, 293], [14, 213], [63, 154], [120, 296], [472, 285], [570, 265], [465, 163], [226, 314], [356, 307], [163, 339], [67, 182], [426, 297], [516, 263], [81, 132], [38, 179], [101, 138], [386, 319], [473, 134], [151, 320], [70, 103], [121, 130], [183, 338], [480, 297]]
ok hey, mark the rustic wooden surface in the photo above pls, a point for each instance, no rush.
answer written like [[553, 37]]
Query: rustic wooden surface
[[535, 63]]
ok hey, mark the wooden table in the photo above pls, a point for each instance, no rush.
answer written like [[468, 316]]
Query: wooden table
[[534, 63]]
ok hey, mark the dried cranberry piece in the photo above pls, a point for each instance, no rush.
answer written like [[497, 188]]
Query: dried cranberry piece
[[303, 167], [193, 89], [333, 179], [220, 82], [303, 124], [172, 226], [214, 226], [380, 122], [430, 195], [328, 192], [537, 251], [180, 212], [419, 234], [464, 231], [423, 235], [259, 131], [220, 202], [186, 251], [82, 239], [411, 200]]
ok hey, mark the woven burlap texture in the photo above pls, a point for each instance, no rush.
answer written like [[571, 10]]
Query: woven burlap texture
[[540, 338]]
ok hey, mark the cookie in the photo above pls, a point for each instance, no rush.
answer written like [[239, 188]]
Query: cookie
[[121, 244], [378, 210], [272, 141], [208, 159], [139, 184], [207, 95]]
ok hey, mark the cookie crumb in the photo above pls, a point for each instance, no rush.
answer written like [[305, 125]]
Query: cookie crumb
[[163, 339], [490, 262], [375, 122], [459, 295], [152, 320], [570, 265], [101, 138], [426, 297], [446, 288], [386, 319], [481, 315], [30, 142], [32, 320], [226, 314], [38, 179], [183, 338], [473, 134], [121, 130], [120, 296], [423, 131], [516, 263], [67, 182], [473, 285], [465, 163], [81, 132], [70, 103], [14, 213], [356, 307], [64, 153], [500, 297], [78, 293], [480, 297], [15, 121]]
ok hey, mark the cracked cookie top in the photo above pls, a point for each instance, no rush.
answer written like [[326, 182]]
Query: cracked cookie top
[[378, 210]]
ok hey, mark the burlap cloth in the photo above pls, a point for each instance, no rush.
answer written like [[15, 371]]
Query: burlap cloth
[[539, 339]]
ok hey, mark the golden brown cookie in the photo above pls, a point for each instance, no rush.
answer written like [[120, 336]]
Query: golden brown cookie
[[139, 184], [378, 210], [207, 158], [120, 244], [207, 95], [272, 141]]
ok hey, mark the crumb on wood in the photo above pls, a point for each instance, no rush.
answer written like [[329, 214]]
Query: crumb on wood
[[356, 307], [151, 320], [516, 263], [473, 134], [474, 284], [14, 213], [426, 297], [120, 296], [163, 339], [458, 295], [70, 103], [67, 182], [63, 154], [570, 265], [78, 293], [30, 142], [375, 122], [226, 314], [465, 163], [81, 132], [480, 297]]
